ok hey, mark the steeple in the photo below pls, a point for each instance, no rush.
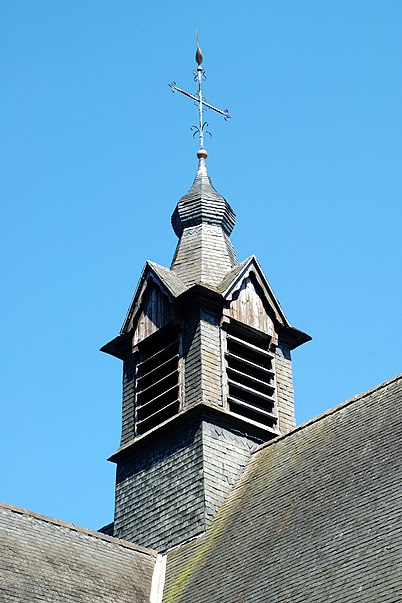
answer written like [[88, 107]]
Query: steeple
[[206, 371], [203, 221]]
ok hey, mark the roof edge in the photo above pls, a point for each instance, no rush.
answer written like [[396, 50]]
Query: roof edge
[[71, 526], [295, 336], [256, 430], [329, 412]]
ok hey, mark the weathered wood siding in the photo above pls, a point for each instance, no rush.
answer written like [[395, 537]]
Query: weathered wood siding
[[247, 306], [155, 314]]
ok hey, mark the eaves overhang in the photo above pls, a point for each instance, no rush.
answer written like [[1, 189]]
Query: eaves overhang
[[292, 337], [120, 346]]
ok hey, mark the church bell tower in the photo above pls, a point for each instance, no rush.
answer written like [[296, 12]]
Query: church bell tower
[[207, 372]]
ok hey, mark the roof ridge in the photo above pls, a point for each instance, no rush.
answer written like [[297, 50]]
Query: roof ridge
[[80, 529], [159, 270], [328, 412]]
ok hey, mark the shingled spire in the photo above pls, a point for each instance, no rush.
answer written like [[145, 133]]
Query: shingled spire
[[206, 376], [203, 221]]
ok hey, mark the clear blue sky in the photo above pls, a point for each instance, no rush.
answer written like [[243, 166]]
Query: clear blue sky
[[95, 152]]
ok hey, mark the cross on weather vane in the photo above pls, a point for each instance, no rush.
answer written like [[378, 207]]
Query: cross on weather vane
[[199, 76]]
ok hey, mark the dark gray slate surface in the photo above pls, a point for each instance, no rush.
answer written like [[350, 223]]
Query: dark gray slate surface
[[203, 221], [204, 254], [169, 488], [202, 204], [315, 518], [159, 490], [52, 561]]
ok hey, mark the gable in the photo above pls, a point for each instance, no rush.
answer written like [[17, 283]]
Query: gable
[[246, 285], [250, 268], [247, 305], [151, 306], [156, 312]]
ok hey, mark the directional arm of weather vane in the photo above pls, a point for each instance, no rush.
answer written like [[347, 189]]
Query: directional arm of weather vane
[[175, 88]]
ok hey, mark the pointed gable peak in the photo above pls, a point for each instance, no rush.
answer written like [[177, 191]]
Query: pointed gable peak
[[202, 204], [250, 269], [168, 283]]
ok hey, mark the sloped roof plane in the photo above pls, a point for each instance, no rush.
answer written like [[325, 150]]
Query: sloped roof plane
[[45, 559], [316, 516]]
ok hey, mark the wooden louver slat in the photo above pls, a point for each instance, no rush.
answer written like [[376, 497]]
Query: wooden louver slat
[[157, 368], [157, 380], [251, 346], [251, 378], [247, 377], [157, 398], [260, 411], [251, 391], [148, 418], [156, 354], [160, 381], [248, 363]]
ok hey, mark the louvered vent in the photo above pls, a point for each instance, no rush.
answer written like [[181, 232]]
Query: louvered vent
[[157, 380], [251, 376]]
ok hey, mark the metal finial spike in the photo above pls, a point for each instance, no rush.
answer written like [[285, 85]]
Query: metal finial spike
[[198, 55]]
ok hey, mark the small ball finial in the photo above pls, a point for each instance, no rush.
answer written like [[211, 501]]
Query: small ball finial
[[202, 154]]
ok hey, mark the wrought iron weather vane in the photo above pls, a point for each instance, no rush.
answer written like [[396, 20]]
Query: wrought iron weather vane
[[199, 77]]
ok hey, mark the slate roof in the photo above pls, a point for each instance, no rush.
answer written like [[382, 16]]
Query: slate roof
[[204, 253], [203, 221], [202, 204], [315, 518], [44, 559], [232, 275], [169, 278]]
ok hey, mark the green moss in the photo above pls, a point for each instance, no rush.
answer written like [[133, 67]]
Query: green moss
[[202, 548], [191, 566], [266, 466]]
